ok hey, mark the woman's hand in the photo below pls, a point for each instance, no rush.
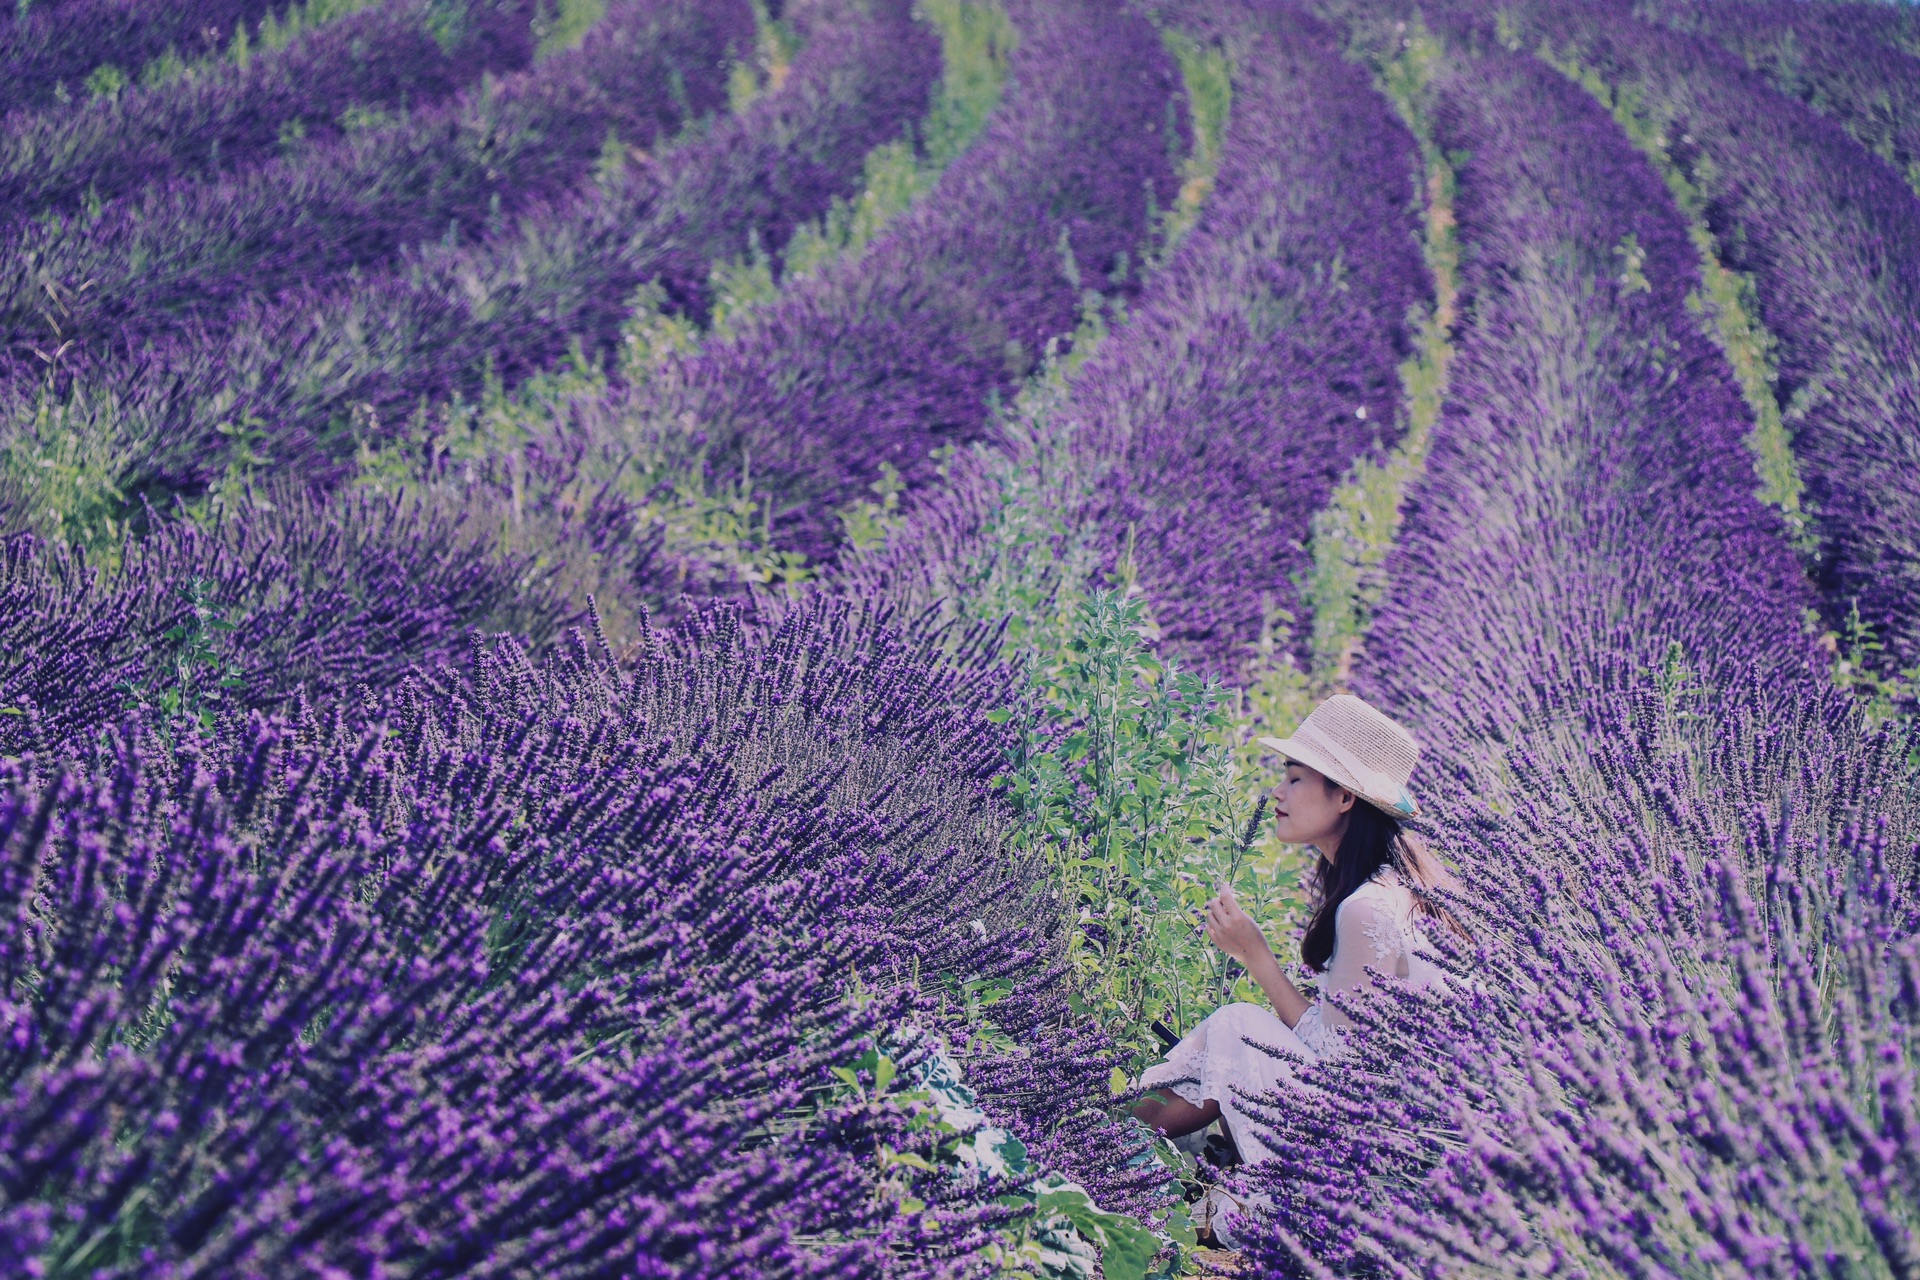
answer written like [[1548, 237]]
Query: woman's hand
[[1234, 932]]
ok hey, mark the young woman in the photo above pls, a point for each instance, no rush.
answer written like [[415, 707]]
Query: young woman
[[1345, 794]]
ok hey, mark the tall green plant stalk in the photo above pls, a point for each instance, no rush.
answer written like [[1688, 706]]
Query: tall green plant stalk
[[1128, 773]]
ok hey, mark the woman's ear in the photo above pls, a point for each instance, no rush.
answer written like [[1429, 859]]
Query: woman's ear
[[1345, 799]]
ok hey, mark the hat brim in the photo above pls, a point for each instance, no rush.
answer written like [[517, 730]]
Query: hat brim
[[1400, 806]]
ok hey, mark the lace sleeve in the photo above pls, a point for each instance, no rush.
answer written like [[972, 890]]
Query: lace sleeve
[[1317, 1033], [1368, 936]]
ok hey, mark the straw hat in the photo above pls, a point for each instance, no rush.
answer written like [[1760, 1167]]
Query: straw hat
[[1359, 749]]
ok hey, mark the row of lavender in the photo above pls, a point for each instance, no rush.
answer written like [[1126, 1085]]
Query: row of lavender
[[1682, 1033], [541, 969], [1256, 367], [159, 259], [513, 971], [48, 50], [351, 73], [887, 357], [1830, 236], [513, 303], [877, 358]]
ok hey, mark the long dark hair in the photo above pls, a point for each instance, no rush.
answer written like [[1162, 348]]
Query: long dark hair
[[1373, 839]]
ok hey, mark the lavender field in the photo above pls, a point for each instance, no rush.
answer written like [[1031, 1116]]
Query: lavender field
[[629, 630]]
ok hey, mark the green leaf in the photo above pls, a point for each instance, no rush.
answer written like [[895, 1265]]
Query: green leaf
[[883, 1074], [1180, 1227], [1126, 1247], [889, 1157]]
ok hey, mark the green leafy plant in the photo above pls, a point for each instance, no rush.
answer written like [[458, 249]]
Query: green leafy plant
[[562, 26], [1131, 773], [1886, 696], [201, 665]]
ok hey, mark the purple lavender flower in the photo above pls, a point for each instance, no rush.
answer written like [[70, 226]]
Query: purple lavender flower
[[516, 969], [1831, 237]]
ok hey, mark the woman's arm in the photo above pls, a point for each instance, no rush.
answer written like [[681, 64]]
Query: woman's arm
[[1234, 932]]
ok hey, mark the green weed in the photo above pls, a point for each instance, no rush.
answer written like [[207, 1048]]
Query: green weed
[[565, 25], [1206, 73], [1131, 777], [774, 46]]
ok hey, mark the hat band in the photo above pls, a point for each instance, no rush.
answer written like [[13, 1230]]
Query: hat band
[[1368, 781]]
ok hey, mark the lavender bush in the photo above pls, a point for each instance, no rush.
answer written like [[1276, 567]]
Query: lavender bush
[[1261, 362], [350, 74], [545, 976], [1831, 238], [1835, 67], [293, 596]]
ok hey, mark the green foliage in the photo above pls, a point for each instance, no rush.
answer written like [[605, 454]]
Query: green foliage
[[201, 664], [165, 69], [278, 31], [240, 52], [976, 41], [1206, 73], [1885, 696], [741, 286], [1633, 264], [62, 482], [1130, 775], [1126, 1248], [867, 523], [894, 177], [564, 25], [360, 119], [106, 81], [1354, 534], [774, 45]]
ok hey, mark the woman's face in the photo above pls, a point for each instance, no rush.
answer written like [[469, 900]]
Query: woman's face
[[1308, 809]]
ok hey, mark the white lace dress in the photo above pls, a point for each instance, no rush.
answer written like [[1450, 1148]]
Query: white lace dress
[[1222, 1059]]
